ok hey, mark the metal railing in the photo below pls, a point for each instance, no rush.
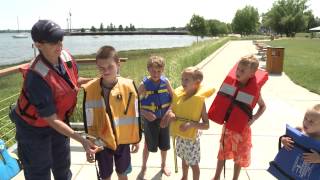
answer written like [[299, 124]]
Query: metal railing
[[7, 128]]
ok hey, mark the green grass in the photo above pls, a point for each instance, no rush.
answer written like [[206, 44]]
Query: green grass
[[303, 35], [135, 68], [302, 61]]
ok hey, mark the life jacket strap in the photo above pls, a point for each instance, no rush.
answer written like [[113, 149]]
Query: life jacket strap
[[244, 107], [23, 110], [154, 107], [147, 93]]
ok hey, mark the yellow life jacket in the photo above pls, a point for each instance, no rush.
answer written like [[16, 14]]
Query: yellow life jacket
[[188, 110], [124, 126]]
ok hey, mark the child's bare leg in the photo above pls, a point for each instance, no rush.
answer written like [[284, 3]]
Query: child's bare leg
[[236, 171], [145, 156], [185, 169], [122, 177], [195, 172], [219, 168], [164, 168]]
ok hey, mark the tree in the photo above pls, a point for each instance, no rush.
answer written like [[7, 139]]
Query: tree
[[126, 29], [246, 21], [287, 17], [82, 30], [132, 28], [93, 29], [197, 26], [229, 28], [215, 27], [101, 27], [120, 28], [311, 21]]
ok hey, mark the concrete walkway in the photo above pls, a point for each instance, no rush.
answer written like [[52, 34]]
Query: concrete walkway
[[286, 103]]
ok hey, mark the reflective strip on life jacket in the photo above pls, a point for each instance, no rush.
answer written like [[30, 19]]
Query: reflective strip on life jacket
[[228, 89], [126, 121], [66, 56], [245, 98], [95, 103], [41, 68]]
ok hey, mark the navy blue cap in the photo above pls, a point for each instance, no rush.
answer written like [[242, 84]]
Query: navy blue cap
[[46, 31]]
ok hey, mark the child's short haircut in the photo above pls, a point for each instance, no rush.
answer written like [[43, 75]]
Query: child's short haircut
[[194, 72], [156, 61], [316, 108], [106, 52], [251, 61]]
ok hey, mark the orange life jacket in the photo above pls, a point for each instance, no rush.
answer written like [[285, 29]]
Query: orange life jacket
[[233, 105], [65, 95], [123, 126]]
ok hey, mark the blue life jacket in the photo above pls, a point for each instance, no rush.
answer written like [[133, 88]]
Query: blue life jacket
[[9, 166], [157, 99], [290, 164]]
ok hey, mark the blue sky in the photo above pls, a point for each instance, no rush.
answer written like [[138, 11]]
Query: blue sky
[[141, 13]]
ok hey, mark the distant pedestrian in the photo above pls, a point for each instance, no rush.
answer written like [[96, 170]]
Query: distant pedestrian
[[233, 106], [47, 100]]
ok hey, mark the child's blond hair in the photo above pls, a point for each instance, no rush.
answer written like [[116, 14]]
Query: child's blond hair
[[316, 108], [195, 72], [250, 61], [156, 61]]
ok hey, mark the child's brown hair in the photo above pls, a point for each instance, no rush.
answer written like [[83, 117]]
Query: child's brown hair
[[250, 61], [106, 52], [195, 72], [156, 61]]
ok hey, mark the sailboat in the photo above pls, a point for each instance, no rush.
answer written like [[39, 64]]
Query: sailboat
[[19, 35]]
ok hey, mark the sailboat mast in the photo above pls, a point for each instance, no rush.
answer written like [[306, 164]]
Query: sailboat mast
[[18, 24]]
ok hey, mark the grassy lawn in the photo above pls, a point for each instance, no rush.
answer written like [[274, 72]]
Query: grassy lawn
[[135, 68], [302, 61]]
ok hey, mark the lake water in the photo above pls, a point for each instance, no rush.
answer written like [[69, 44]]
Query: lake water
[[13, 50]]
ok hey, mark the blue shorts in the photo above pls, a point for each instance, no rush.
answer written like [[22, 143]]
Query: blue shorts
[[121, 157]]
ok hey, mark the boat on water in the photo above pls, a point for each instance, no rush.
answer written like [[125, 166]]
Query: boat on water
[[19, 35]]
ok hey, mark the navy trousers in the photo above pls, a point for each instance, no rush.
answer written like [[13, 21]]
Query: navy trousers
[[41, 150]]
